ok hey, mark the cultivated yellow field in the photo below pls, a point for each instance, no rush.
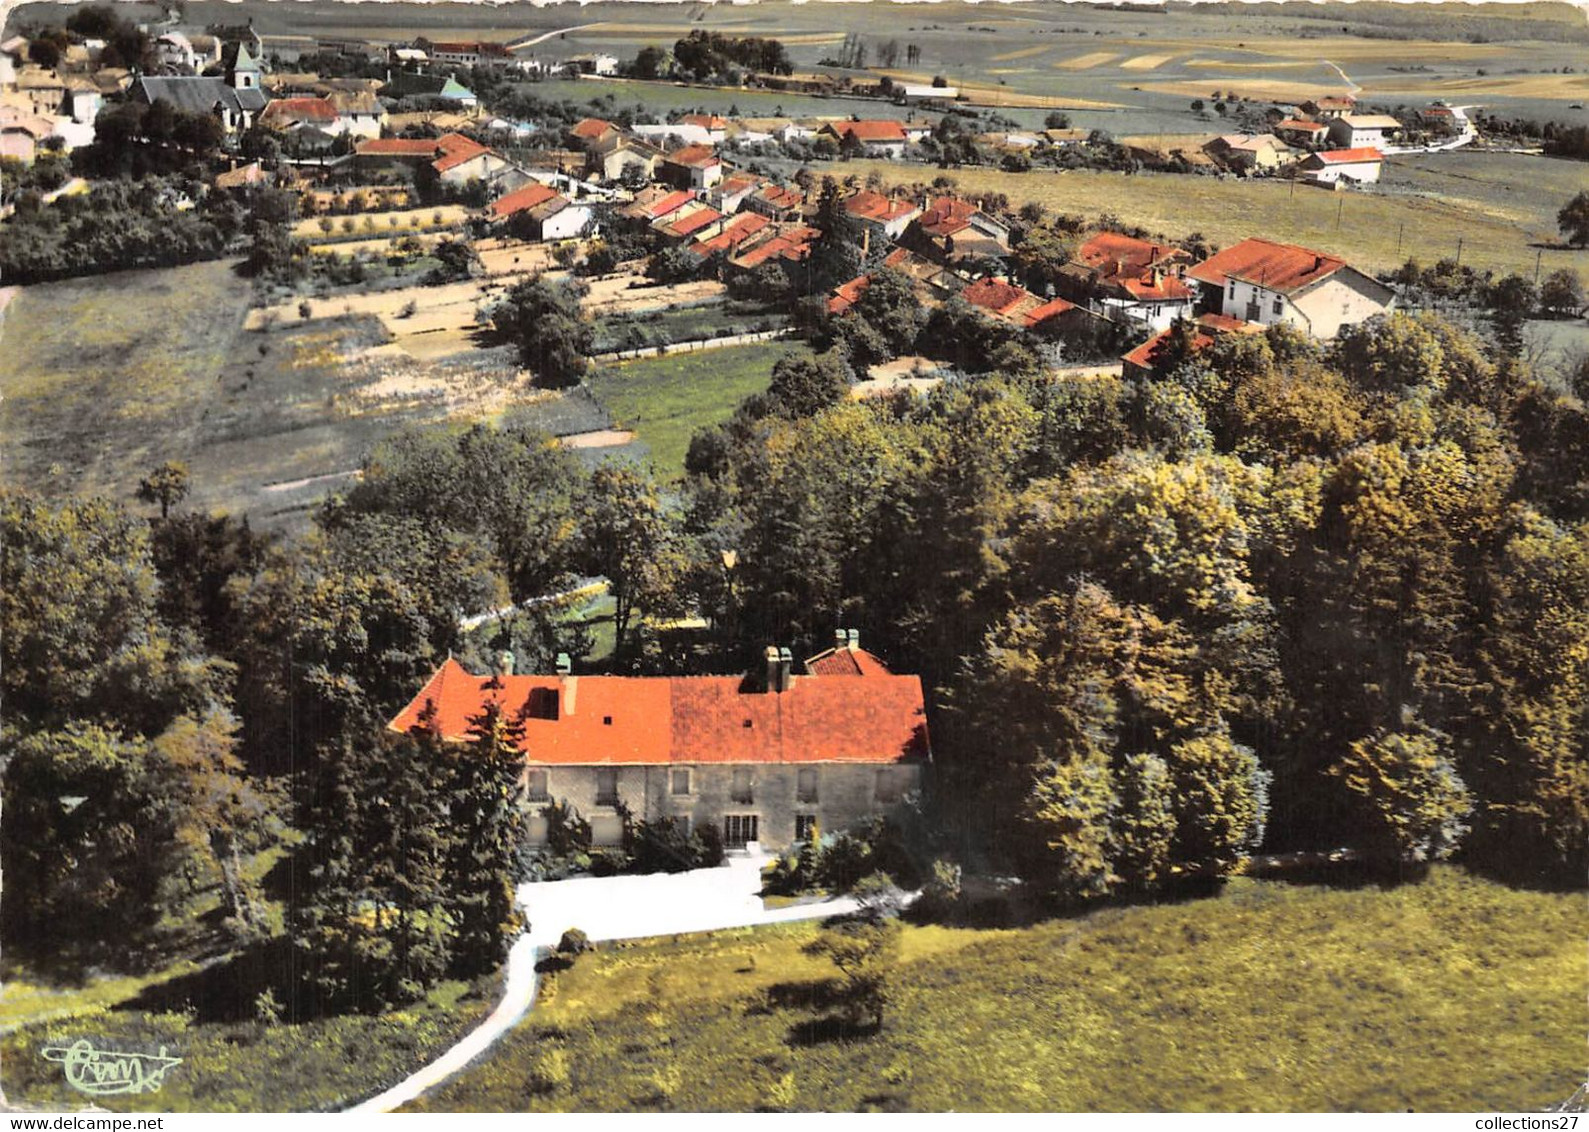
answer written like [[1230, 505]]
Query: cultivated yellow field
[[1146, 62], [1088, 61]]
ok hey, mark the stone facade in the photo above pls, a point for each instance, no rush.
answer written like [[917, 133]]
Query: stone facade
[[845, 795]]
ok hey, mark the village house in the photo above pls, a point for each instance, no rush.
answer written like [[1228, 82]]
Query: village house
[[714, 126], [1440, 119], [930, 283], [1250, 153], [539, 212], [1300, 132], [1342, 166], [1266, 282], [735, 233], [788, 244], [1329, 107], [1130, 280], [587, 133], [730, 194], [614, 156], [1362, 131], [672, 134], [885, 138], [597, 63], [951, 230], [885, 216], [693, 167], [776, 202], [1016, 305], [768, 760], [657, 203]]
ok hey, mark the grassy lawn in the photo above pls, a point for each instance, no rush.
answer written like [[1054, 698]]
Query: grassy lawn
[[1498, 227], [664, 400], [716, 319], [1456, 994], [246, 1066]]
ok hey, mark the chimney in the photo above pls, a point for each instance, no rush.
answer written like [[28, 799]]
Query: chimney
[[504, 663], [855, 639], [866, 242], [774, 669], [785, 669], [841, 638], [1318, 262], [565, 666]]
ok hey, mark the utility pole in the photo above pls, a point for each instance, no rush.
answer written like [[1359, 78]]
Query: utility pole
[[1459, 251], [1400, 228], [1537, 257], [1339, 208]]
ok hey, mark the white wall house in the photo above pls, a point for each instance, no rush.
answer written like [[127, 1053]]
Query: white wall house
[[1263, 282]]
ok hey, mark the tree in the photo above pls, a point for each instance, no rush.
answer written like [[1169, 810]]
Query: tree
[[803, 386], [485, 832], [456, 260], [649, 62], [90, 838], [1067, 826], [167, 485], [552, 332], [864, 948], [1221, 801], [1513, 301], [1415, 805], [1142, 829], [1057, 120], [1562, 293], [1573, 219], [625, 538]]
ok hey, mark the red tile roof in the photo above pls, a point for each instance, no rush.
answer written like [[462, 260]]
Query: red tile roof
[[590, 129], [870, 131], [695, 221], [1115, 254], [529, 196], [867, 205], [995, 295], [947, 215], [668, 204], [705, 121], [283, 110], [1277, 267], [1209, 328], [780, 197], [1348, 156], [397, 147], [455, 150], [741, 228], [1039, 315], [694, 157], [1167, 288], [846, 661], [793, 245], [657, 720], [1300, 124]]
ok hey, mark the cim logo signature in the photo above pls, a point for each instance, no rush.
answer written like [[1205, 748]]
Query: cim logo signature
[[108, 1072]]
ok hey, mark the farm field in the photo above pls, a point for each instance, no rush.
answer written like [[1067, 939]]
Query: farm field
[[1501, 219], [268, 420], [665, 400], [1304, 998]]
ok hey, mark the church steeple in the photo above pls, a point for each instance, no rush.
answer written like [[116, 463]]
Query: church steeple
[[246, 70]]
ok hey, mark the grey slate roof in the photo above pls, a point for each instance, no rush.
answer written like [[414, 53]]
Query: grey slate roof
[[199, 94]]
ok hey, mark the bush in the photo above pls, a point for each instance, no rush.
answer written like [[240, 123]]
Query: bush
[[573, 942]]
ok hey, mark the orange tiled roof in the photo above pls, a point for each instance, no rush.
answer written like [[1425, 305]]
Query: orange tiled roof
[[590, 129], [1300, 124], [1349, 156], [657, 720], [705, 121], [518, 200], [995, 295], [695, 221], [397, 147], [1039, 315], [299, 110], [872, 130], [671, 203], [694, 157], [455, 150], [1277, 267], [867, 205]]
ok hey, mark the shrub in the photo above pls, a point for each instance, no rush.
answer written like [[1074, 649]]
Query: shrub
[[550, 1072], [573, 942]]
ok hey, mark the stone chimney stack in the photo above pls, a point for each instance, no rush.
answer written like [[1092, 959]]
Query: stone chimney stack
[[785, 669], [841, 638], [774, 669], [565, 666], [505, 663], [854, 636]]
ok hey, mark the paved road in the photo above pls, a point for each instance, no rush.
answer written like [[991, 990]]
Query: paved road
[[623, 907]]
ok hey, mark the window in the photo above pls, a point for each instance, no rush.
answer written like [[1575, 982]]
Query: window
[[681, 780], [607, 787], [1233, 288], [535, 786], [542, 703], [805, 826], [806, 785], [743, 791], [1280, 304], [739, 830], [888, 786]]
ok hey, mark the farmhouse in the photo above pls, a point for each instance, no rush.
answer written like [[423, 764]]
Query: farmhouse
[[612, 156], [1349, 166], [766, 759], [1249, 153], [1266, 282], [885, 137], [1300, 131], [950, 230], [1359, 131], [541, 213], [1013, 304], [1132, 280], [587, 133], [1330, 106]]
